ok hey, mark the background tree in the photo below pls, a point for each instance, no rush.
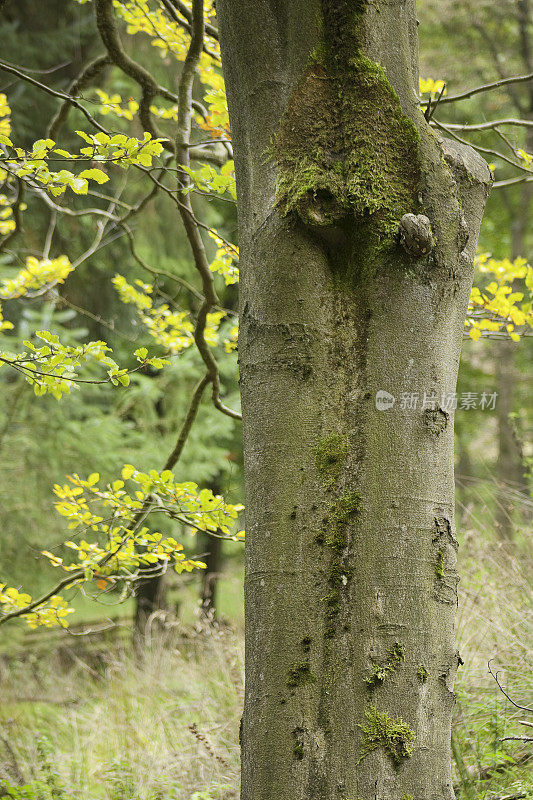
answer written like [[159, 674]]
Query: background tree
[[499, 39]]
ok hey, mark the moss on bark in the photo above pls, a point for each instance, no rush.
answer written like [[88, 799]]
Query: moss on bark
[[299, 674], [440, 564], [335, 535], [379, 672], [380, 730], [330, 454], [422, 674], [345, 149]]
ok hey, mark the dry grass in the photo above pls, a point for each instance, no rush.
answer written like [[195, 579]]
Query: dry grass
[[495, 624], [119, 729], [106, 727]]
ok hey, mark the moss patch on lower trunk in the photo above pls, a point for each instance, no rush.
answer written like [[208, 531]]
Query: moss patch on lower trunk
[[300, 674], [380, 730], [335, 535]]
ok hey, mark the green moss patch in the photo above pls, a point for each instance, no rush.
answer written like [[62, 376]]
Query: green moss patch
[[330, 455], [422, 674], [336, 537], [299, 674], [379, 672], [345, 149], [440, 564], [380, 730], [298, 743]]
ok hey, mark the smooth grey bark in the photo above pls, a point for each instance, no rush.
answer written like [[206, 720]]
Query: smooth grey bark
[[350, 587]]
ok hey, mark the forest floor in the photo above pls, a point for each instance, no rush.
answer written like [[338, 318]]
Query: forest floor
[[82, 718]]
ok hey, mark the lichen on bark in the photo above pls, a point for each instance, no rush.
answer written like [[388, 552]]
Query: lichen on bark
[[344, 148]]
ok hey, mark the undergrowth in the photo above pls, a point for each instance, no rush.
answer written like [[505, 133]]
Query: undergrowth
[[82, 723]]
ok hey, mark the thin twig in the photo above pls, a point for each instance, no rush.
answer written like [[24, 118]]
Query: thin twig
[[486, 87], [483, 126], [89, 72], [488, 151], [502, 690], [54, 93]]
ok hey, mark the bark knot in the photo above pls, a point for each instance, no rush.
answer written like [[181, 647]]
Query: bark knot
[[416, 236]]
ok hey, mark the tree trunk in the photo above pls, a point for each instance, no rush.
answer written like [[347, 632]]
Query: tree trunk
[[150, 597], [350, 587], [210, 576]]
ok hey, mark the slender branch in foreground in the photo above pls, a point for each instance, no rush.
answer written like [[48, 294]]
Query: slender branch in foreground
[[483, 126], [170, 8], [516, 739], [487, 150], [157, 272], [510, 181], [190, 223], [69, 581], [185, 11], [502, 690], [486, 87], [75, 577], [105, 21], [432, 107], [187, 422], [63, 301]]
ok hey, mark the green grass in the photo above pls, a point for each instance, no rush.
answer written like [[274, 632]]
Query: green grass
[[84, 720], [117, 729]]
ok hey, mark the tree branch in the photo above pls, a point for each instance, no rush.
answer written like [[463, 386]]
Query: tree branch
[[54, 93], [105, 21], [187, 422], [502, 690], [89, 72], [486, 87], [184, 204], [483, 126]]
